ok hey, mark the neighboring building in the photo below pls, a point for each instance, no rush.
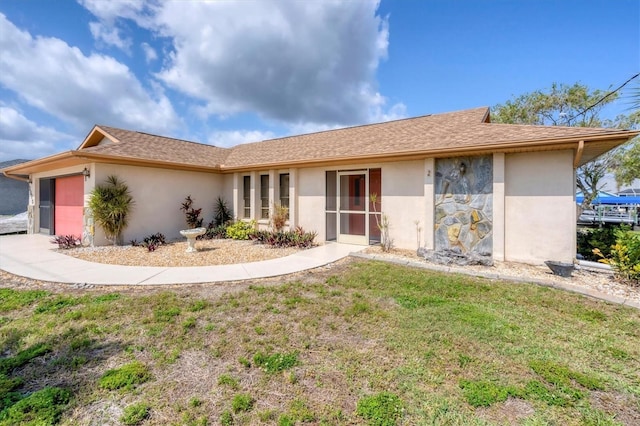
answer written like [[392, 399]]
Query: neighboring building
[[630, 192], [14, 194], [505, 191]]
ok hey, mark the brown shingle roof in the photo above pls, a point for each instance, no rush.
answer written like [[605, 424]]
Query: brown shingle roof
[[145, 146], [463, 131], [449, 134]]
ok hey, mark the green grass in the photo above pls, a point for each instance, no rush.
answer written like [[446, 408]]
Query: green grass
[[42, 407], [360, 343], [275, 363], [13, 299], [135, 414], [21, 358], [242, 402], [382, 409], [125, 377]]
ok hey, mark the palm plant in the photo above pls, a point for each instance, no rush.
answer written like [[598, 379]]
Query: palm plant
[[110, 205], [223, 214]]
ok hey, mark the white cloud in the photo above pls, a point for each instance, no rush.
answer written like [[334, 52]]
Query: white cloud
[[295, 62], [83, 90], [110, 11], [229, 138], [110, 35], [150, 53], [22, 138]]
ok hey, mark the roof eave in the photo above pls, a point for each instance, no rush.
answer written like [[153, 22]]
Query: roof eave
[[42, 164], [71, 158], [133, 161]]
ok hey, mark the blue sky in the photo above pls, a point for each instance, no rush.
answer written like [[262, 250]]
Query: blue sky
[[227, 72]]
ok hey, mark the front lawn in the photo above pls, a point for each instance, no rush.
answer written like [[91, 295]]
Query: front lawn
[[364, 343]]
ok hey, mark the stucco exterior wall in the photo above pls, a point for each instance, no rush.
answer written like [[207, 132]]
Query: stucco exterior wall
[[311, 201], [158, 194], [402, 199], [540, 219]]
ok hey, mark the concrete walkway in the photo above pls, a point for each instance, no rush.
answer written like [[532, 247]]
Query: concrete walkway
[[33, 256]]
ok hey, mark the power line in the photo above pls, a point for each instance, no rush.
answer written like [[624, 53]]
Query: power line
[[602, 98]]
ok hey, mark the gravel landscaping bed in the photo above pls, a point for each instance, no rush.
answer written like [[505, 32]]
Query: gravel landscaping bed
[[210, 252], [597, 280]]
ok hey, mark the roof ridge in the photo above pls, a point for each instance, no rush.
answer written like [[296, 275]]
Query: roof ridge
[[546, 126], [160, 136], [357, 126]]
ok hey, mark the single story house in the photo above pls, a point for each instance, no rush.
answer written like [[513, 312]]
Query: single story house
[[452, 180]]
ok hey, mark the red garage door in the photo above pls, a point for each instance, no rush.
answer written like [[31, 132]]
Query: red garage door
[[68, 205]]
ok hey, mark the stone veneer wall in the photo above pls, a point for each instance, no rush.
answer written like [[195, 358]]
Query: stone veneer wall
[[464, 205]]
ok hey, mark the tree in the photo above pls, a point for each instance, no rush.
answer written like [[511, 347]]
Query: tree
[[565, 105], [110, 205], [627, 163], [561, 106], [627, 160]]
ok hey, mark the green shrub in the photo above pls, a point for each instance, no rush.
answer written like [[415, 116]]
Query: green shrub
[[597, 238], [43, 407], [242, 402], [276, 362], [215, 232], [134, 414], [296, 238], [382, 409], [240, 230], [125, 377], [624, 256]]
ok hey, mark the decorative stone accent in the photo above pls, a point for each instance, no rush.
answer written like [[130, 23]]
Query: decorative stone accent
[[191, 235], [464, 209], [88, 228]]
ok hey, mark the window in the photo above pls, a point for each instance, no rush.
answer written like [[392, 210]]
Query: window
[[246, 195], [284, 191], [264, 196]]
